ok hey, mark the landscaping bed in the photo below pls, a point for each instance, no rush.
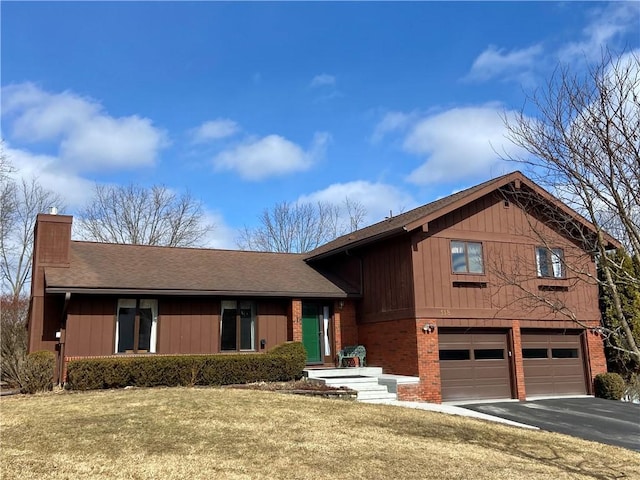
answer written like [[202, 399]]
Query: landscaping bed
[[307, 387]]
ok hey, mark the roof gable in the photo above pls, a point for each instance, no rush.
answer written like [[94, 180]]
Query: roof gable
[[421, 216]]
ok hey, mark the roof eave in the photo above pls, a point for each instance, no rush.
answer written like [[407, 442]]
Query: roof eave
[[196, 293], [358, 243]]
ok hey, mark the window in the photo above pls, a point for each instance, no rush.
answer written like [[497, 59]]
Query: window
[[136, 325], [237, 325], [466, 257], [550, 262], [454, 355], [489, 354], [534, 353], [564, 353]]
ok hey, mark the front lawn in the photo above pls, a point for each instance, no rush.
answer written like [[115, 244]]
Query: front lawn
[[216, 433]]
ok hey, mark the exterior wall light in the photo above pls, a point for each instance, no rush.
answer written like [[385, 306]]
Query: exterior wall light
[[428, 328]]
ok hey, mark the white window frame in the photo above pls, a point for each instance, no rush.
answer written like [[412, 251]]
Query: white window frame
[[237, 305], [139, 303], [554, 262], [464, 244]]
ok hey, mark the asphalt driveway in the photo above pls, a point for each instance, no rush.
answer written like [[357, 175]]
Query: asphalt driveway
[[605, 421]]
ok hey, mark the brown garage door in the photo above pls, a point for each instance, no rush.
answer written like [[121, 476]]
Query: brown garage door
[[474, 366], [553, 364]]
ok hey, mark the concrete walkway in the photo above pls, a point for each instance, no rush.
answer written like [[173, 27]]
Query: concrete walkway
[[451, 410]]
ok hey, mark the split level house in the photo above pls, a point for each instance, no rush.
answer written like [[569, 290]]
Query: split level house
[[479, 295]]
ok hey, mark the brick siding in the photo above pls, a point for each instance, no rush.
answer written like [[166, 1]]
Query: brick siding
[[518, 364]]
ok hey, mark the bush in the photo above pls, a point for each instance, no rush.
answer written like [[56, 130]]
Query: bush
[[609, 385], [283, 363], [37, 372], [296, 356]]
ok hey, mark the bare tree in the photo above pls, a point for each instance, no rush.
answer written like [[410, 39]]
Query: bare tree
[[7, 195], [22, 201], [583, 144], [144, 216], [13, 341], [300, 227], [355, 213]]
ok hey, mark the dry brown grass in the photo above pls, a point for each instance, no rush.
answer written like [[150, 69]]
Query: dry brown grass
[[183, 433]]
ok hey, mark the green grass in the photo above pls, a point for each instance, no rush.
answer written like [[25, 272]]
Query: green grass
[[209, 433]]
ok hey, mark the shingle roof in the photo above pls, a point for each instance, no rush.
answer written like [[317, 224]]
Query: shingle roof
[[399, 223], [114, 267]]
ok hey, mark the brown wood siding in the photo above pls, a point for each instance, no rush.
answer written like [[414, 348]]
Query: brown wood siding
[[272, 324], [387, 281], [185, 325], [508, 236], [90, 326], [188, 325]]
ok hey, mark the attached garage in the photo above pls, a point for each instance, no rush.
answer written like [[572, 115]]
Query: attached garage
[[474, 366], [553, 363]]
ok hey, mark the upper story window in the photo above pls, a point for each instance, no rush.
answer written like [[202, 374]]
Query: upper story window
[[550, 262], [136, 325], [466, 257], [238, 325]]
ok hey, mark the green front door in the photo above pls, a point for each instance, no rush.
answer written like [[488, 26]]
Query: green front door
[[311, 332]]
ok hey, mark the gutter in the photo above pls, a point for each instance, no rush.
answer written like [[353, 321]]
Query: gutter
[[186, 293]]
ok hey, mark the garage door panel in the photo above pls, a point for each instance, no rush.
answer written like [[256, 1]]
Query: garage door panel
[[484, 375], [553, 364]]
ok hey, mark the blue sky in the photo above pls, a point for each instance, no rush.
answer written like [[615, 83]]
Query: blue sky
[[249, 104]]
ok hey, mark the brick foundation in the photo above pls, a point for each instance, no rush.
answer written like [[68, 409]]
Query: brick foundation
[[345, 326], [295, 319], [517, 363], [391, 345], [597, 359]]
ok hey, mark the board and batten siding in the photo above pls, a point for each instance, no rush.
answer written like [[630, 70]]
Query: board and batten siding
[[185, 325], [90, 326], [509, 237], [188, 326], [387, 281], [271, 324]]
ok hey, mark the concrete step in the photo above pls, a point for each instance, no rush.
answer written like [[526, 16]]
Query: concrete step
[[337, 381], [362, 387], [364, 380], [377, 398], [342, 372]]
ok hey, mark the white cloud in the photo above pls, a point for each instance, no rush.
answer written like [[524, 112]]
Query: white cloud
[[89, 138], [269, 156], [607, 25], [222, 235], [498, 63], [458, 144], [215, 130], [377, 198], [323, 79], [392, 122], [73, 189]]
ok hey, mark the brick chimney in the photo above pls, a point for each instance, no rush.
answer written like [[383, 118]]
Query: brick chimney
[[51, 248]]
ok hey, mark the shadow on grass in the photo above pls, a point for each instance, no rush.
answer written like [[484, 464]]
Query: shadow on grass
[[539, 446]]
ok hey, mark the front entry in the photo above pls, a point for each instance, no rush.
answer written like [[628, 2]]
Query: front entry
[[311, 332]]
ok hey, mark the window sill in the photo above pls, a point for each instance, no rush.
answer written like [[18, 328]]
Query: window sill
[[469, 284], [465, 278], [553, 288]]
